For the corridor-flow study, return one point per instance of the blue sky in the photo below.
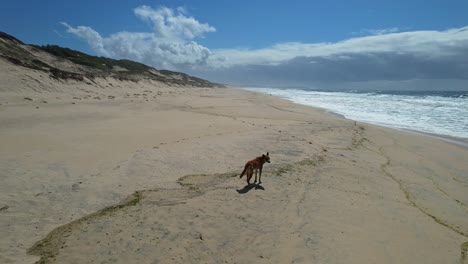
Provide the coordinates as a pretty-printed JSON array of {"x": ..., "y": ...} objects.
[{"x": 267, "y": 43}]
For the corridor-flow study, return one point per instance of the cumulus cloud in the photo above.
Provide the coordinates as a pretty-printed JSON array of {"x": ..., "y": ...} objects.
[
  {"x": 90, "y": 36},
  {"x": 169, "y": 45},
  {"x": 170, "y": 24}
]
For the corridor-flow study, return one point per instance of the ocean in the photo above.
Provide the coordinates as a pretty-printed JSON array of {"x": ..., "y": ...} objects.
[{"x": 434, "y": 112}]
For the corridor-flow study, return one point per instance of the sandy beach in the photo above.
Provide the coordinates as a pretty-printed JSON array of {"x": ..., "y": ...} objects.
[{"x": 125, "y": 172}]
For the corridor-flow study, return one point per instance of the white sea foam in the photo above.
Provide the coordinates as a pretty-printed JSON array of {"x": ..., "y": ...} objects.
[{"x": 430, "y": 113}]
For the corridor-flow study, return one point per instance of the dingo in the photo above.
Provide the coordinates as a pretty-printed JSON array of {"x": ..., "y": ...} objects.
[{"x": 254, "y": 166}]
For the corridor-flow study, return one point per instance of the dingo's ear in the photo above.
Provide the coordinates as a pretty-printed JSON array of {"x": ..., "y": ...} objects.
[{"x": 268, "y": 154}]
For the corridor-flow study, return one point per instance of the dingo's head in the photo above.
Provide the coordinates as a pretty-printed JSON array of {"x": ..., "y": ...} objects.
[{"x": 266, "y": 157}]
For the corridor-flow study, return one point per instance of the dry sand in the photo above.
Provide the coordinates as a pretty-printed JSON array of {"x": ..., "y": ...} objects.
[{"x": 121, "y": 172}]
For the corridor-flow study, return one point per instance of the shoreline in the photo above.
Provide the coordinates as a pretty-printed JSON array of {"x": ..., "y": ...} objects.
[{"x": 463, "y": 142}]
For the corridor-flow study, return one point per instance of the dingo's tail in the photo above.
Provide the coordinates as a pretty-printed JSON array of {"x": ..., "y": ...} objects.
[{"x": 245, "y": 169}]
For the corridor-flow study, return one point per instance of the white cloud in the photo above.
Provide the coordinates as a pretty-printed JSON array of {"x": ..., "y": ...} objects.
[
  {"x": 424, "y": 43},
  {"x": 386, "y": 54},
  {"x": 89, "y": 35},
  {"x": 377, "y": 31},
  {"x": 171, "y": 24},
  {"x": 170, "y": 45},
  {"x": 399, "y": 59}
]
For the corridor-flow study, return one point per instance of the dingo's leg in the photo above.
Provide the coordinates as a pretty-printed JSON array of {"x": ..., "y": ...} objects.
[{"x": 249, "y": 175}]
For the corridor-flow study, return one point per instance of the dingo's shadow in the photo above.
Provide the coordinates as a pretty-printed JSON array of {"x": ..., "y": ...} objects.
[{"x": 249, "y": 187}]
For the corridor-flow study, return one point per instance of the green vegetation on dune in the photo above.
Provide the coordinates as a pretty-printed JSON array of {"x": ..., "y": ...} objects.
[
  {"x": 18, "y": 53},
  {"x": 9, "y": 37},
  {"x": 101, "y": 63}
]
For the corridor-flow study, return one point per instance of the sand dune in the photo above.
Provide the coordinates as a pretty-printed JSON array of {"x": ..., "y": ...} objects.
[{"x": 145, "y": 173}]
